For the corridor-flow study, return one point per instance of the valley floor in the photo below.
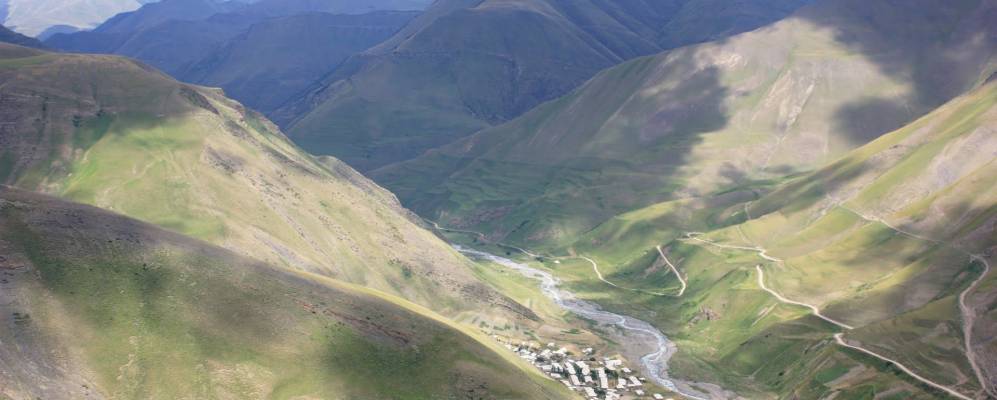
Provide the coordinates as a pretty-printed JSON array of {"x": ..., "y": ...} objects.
[{"x": 715, "y": 392}]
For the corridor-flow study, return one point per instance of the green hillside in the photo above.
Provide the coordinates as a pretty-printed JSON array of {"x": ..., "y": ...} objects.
[
  {"x": 885, "y": 241},
  {"x": 465, "y": 65},
  {"x": 114, "y": 133},
  {"x": 706, "y": 119},
  {"x": 97, "y": 305},
  {"x": 836, "y": 155}
]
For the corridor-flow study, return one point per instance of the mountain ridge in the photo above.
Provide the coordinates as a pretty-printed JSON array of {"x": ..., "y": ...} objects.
[
  {"x": 109, "y": 307},
  {"x": 263, "y": 54},
  {"x": 9, "y": 36},
  {"x": 466, "y": 65},
  {"x": 685, "y": 123},
  {"x": 214, "y": 170}
]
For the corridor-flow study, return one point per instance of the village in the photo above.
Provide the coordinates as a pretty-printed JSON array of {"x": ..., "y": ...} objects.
[{"x": 607, "y": 378}]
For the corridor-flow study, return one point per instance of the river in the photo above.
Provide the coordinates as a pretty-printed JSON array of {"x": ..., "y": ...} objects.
[{"x": 632, "y": 333}]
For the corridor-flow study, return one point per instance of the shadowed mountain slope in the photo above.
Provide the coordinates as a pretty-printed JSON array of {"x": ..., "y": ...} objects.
[
  {"x": 262, "y": 54},
  {"x": 117, "y": 134},
  {"x": 704, "y": 119},
  {"x": 97, "y": 305},
  {"x": 9, "y": 36},
  {"x": 893, "y": 243},
  {"x": 465, "y": 65},
  {"x": 891, "y": 237},
  {"x": 277, "y": 59}
]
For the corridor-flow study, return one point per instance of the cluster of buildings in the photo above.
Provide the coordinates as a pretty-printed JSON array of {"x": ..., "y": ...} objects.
[{"x": 605, "y": 379}]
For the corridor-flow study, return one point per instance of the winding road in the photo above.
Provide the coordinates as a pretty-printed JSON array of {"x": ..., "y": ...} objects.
[
  {"x": 761, "y": 279},
  {"x": 635, "y": 333},
  {"x": 839, "y": 337},
  {"x": 675, "y": 270},
  {"x": 813, "y": 308},
  {"x": 968, "y": 320},
  {"x": 595, "y": 265},
  {"x": 967, "y": 312},
  {"x": 638, "y": 331}
]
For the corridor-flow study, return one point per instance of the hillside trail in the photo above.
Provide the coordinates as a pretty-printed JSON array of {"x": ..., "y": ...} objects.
[
  {"x": 839, "y": 337},
  {"x": 595, "y": 265},
  {"x": 969, "y": 319},
  {"x": 674, "y": 270},
  {"x": 967, "y": 312},
  {"x": 639, "y": 334}
]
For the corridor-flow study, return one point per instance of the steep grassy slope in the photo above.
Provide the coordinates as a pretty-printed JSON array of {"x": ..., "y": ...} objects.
[
  {"x": 97, "y": 305},
  {"x": 887, "y": 240},
  {"x": 110, "y": 132},
  {"x": 467, "y": 64},
  {"x": 705, "y": 119},
  {"x": 32, "y": 17}
]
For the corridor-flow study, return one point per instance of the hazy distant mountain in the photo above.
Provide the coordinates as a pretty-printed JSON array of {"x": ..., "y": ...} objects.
[
  {"x": 9, "y": 36},
  {"x": 130, "y": 26},
  {"x": 153, "y": 14},
  {"x": 291, "y": 7},
  {"x": 32, "y": 17},
  {"x": 465, "y": 65},
  {"x": 277, "y": 59},
  {"x": 170, "y": 35},
  {"x": 262, "y": 54}
]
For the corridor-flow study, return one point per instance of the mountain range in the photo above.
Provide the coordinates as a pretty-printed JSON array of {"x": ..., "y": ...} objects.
[
  {"x": 262, "y": 54},
  {"x": 463, "y": 66},
  {"x": 888, "y": 247},
  {"x": 165, "y": 307},
  {"x": 704, "y": 119},
  {"x": 431, "y": 72},
  {"x": 216, "y": 171},
  {"x": 753, "y": 199},
  {"x": 9, "y": 36},
  {"x": 820, "y": 182}
]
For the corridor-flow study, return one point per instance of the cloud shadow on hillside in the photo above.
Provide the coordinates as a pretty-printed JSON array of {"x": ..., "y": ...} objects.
[
  {"x": 937, "y": 48},
  {"x": 675, "y": 123}
]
